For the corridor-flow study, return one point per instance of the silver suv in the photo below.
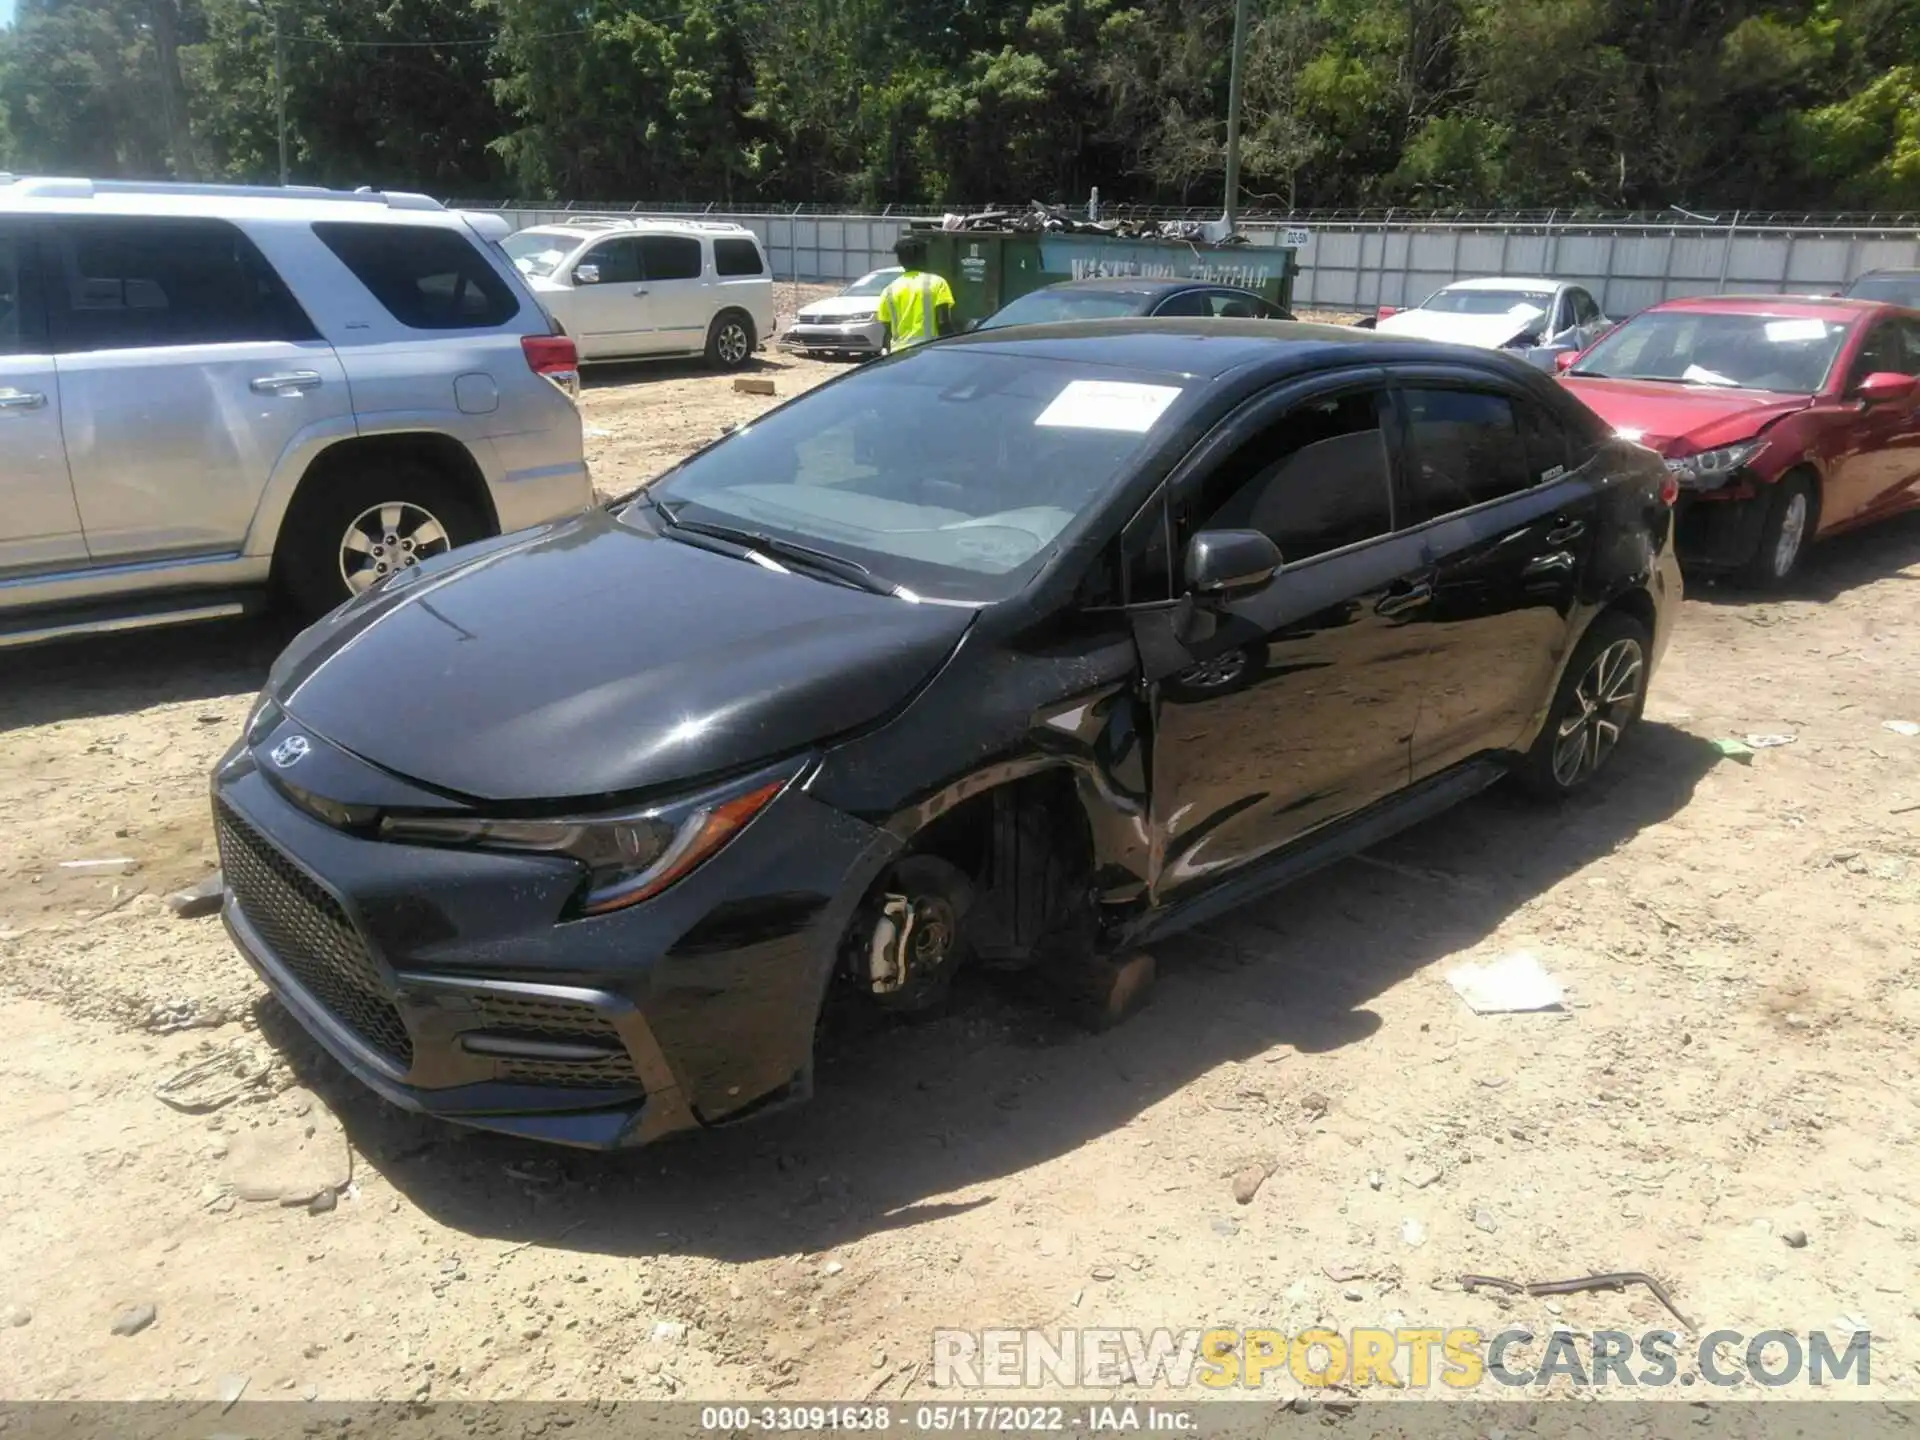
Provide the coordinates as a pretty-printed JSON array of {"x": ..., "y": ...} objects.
[{"x": 208, "y": 393}]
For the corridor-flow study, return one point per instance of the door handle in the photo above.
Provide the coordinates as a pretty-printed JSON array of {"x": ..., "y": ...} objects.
[
  {"x": 1565, "y": 530},
  {"x": 1402, "y": 597},
  {"x": 21, "y": 399},
  {"x": 641, "y": 291},
  {"x": 293, "y": 382}
]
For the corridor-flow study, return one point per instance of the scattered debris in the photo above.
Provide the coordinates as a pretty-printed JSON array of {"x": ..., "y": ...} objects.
[
  {"x": 134, "y": 1319},
  {"x": 1769, "y": 742},
  {"x": 1376, "y": 1179},
  {"x": 118, "y": 865},
  {"x": 202, "y": 898},
  {"x": 1484, "y": 1220},
  {"x": 323, "y": 1202},
  {"x": 1102, "y": 1272},
  {"x": 1796, "y": 1238},
  {"x": 1414, "y": 1234},
  {"x": 218, "y": 1080},
  {"x": 291, "y": 1163},
  {"x": 1735, "y": 750},
  {"x": 1224, "y": 1226},
  {"x": 1512, "y": 984},
  {"x": 669, "y": 1332},
  {"x": 14, "y": 1316},
  {"x": 1421, "y": 1175},
  {"x": 1247, "y": 1183},
  {"x": 832, "y": 1268},
  {"x": 1613, "y": 1280},
  {"x": 171, "y": 1015},
  {"x": 1315, "y": 1104},
  {"x": 596, "y": 432},
  {"x": 1352, "y": 1268},
  {"x": 753, "y": 385},
  {"x": 1901, "y": 727}
]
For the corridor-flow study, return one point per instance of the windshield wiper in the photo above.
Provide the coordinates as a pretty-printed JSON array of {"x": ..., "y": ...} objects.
[{"x": 805, "y": 557}]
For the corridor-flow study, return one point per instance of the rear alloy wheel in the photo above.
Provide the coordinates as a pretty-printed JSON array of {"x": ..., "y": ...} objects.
[
  {"x": 730, "y": 340},
  {"x": 1792, "y": 512},
  {"x": 349, "y": 530},
  {"x": 1599, "y": 700},
  {"x": 384, "y": 539}
]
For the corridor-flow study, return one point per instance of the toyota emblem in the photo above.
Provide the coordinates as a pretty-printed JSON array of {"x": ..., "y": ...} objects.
[{"x": 289, "y": 751}]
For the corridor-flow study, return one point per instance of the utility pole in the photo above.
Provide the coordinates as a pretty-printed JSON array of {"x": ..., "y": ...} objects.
[
  {"x": 280, "y": 91},
  {"x": 1233, "y": 114}
]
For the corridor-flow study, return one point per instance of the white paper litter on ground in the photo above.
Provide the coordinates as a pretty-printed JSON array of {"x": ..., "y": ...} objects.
[
  {"x": 1108, "y": 405},
  {"x": 1900, "y": 727},
  {"x": 1513, "y": 983},
  {"x": 1768, "y": 742}
]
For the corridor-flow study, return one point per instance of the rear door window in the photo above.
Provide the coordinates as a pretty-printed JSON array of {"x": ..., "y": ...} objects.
[
  {"x": 428, "y": 277},
  {"x": 141, "y": 281},
  {"x": 737, "y": 257},
  {"x": 20, "y": 317},
  {"x": 1191, "y": 303},
  {"x": 1466, "y": 450},
  {"x": 670, "y": 257}
]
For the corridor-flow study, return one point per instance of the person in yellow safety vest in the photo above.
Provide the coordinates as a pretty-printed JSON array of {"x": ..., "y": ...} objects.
[{"x": 917, "y": 307}]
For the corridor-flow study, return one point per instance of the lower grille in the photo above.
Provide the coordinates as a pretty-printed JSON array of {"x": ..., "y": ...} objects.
[
  {"x": 310, "y": 935},
  {"x": 609, "y": 1072},
  {"x": 551, "y": 1018}
]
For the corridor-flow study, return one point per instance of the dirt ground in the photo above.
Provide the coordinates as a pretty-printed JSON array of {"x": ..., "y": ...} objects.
[{"x": 1729, "y": 1101}]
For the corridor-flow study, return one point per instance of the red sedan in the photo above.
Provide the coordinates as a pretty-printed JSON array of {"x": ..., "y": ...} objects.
[{"x": 1783, "y": 418}]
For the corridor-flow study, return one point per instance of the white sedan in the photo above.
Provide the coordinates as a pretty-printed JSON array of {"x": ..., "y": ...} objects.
[
  {"x": 843, "y": 324},
  {"x": 1539, "y": 318}
]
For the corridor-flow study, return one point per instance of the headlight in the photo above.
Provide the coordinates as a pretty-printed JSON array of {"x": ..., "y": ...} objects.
[
  {"x": 1711, "y": 469},
  {"x": 628, "y": 857},
  {"x": 261, "y": 718},
  {"x": 865, "y": 317}
]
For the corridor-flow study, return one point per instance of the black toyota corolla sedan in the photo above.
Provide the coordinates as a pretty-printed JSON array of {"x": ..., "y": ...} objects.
[{"x": 1014, "y": 649}]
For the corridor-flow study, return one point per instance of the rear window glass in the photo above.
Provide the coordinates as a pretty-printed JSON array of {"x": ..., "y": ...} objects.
[
  {"x": 1042, "y": 307},
  {"x": 428, "y": 278},
  {"x": 737, "y": 257}
]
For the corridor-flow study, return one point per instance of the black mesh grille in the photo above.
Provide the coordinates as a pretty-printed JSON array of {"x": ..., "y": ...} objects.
[
  {"x": 310, "y": 935},
  {"x": 609, "y": 1072},
  {"x": 539, "y": 1015}
]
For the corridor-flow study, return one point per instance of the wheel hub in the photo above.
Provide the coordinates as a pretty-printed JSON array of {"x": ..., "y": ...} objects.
[
  {"x": 384, "y": 539},
  {"x": 1604, "y": 703}
]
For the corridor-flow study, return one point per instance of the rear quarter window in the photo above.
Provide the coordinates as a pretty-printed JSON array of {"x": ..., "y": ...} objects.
[
  {"x": 737, "y": 257},
  {"x": 427, "y": 277}
]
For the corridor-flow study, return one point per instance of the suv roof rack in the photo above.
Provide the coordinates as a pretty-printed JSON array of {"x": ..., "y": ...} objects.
[{"x": 59, "y": 187}]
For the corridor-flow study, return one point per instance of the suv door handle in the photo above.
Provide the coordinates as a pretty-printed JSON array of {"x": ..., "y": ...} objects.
[
  {"x": 293, "y": 382},
  {"x": 1403, "y": 596},
  {"x": 1565, "y": 530},
  {"x": 21, "y": 399}
]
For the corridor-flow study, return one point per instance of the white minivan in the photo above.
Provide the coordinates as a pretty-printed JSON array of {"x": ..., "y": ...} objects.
[{"x": 625, "y": 288}]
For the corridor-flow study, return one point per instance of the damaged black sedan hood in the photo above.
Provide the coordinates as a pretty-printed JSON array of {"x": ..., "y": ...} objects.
[{"x": 592, "y": 659}]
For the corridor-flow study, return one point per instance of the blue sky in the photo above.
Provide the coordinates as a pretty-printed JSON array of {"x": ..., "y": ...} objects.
[{"x": 6, "y": 12}]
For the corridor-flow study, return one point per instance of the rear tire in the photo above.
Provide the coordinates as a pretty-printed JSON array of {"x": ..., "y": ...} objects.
[
  {"x": 730, "y": 340},
  {"x": 1598, "y": 702},
  {"x": 345, "y": 526},
  {"x": 1793, "y": 513}
]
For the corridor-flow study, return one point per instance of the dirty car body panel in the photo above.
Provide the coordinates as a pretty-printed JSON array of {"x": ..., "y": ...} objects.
[{"x": 830, "y": 643}]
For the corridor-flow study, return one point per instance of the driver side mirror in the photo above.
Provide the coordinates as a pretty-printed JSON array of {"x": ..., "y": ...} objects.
[
  {"x": 1564, "y": 360},
  {"x": 1226, "y": 564},
  {"x": 1885, "y": 385},
  {"x": 586, "y": 274}
]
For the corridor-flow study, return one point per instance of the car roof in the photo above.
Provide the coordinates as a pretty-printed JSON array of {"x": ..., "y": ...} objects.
[
  {"x": 1210, "y": 349},
  {"x": 1505, "y": 282},
  {"x": 1140, "y": 285},
  {"x": 57, "y": 194},
  {"x": 588, "y": 226},
  {"x": 1793, "y": 307}
]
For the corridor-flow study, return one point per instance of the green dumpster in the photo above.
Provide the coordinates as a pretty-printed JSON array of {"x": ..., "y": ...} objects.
[{"x": 987, "y": 268}]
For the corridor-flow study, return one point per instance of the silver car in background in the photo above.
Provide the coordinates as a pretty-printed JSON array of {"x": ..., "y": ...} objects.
[
  {"x": 1539, "y": 319},
  {"x": 844, "y": 323},
  {"x": 209, "y": 392}
]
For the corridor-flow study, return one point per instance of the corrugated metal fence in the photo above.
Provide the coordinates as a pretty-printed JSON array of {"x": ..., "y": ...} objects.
[{"x": 1355, "y": 264}]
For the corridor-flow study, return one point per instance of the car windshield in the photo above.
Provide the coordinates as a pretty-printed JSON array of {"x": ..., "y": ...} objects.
[
  {"x": 1488, "y": 302},
  {"x": 1046, "y": 307},
  {"x": 1894, "y": 289},
  {"x": 872, "y": 284},
  {"x": 539, "y": 252},
  {"x": 952, "y": 472},
  {"x": 1740, "y": 349}
]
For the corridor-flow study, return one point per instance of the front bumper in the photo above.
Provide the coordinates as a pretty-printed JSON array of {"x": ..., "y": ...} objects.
[
  {"x": 864, "y": 337},
  {"x": 445, "y": 980}
]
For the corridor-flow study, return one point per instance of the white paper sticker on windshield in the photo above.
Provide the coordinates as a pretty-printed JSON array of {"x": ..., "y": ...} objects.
[
  {"x": 1109, "y": 405},
  {"x": 1785, "y": 332}
]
